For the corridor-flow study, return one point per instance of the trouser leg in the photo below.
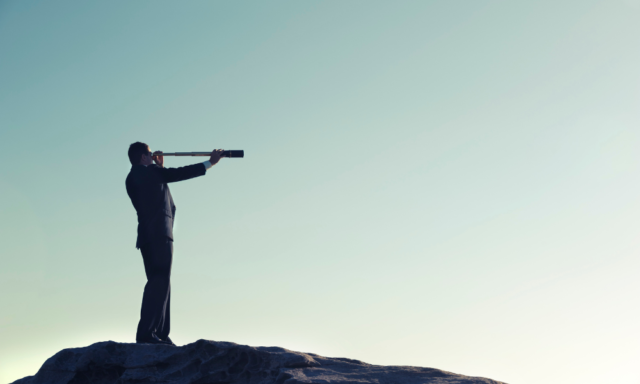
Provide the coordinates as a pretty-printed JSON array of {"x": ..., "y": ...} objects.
[
  {"x": 165, "y": 325},
  {"x": 154, "y": 314}
]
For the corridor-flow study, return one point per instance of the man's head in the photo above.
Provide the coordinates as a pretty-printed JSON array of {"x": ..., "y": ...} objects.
[{"x": 139, "y": 154}]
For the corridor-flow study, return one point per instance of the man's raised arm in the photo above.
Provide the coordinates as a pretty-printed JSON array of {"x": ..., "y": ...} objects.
[{"x": 171, "y": 175}]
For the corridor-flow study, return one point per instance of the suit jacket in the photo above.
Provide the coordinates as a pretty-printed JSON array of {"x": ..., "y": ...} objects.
[{"x": 148, "y": 190}]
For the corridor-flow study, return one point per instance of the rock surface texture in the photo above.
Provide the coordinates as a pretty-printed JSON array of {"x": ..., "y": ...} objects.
[{"x": 220, "y": 362}]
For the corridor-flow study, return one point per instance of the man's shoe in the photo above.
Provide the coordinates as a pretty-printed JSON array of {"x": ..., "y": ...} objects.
[
  {"x": 152, "y": 339},
  {"x": 168, "y": 340}
]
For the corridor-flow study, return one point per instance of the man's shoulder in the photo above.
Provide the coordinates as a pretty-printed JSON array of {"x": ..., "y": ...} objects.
[{"x": 137, "y": 173}]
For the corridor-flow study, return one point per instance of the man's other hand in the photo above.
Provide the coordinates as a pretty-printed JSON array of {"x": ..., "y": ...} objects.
[
  {"x": 158, "y": 158},
  {"x": 216, "y": 155}
]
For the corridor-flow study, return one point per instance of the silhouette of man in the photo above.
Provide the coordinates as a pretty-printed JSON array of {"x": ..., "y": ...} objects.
[{"x": 148, "y": 190}]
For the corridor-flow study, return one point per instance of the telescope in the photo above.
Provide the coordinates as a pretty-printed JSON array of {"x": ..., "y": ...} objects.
[{"x": 229, "y": 153}]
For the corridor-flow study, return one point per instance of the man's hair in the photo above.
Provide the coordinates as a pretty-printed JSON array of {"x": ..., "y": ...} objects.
[{"x": 136, "y": 150}]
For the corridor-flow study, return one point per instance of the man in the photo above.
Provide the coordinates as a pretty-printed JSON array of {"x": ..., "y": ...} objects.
[{"x": 148, "y": 190}]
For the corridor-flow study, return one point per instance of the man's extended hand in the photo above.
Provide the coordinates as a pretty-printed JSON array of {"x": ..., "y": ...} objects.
[
  {"x": 216, "y": 155},
  {"x": 158, "y": 158}
]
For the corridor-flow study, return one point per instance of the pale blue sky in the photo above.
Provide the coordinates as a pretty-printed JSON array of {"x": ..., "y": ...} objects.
[{"x": 432, "y": 183}]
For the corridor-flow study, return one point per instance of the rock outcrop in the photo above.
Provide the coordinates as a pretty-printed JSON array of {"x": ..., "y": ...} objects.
[{"x": 219, "y": 362}]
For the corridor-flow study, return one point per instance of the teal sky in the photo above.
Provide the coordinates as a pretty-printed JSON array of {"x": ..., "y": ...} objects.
[{"x": 432, "y": 183}]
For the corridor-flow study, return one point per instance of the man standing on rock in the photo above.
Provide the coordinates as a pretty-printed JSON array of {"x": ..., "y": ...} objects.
[{"x": 148, "y": 190}]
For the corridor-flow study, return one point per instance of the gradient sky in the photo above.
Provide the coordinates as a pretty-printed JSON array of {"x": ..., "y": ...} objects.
[{"x": 432, "y": 183}]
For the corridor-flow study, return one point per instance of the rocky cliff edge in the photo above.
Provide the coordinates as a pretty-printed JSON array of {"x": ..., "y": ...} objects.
[{"x": 208, "y": 361}]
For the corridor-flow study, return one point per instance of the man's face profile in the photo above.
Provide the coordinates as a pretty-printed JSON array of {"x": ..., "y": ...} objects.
[{"x": 146, "y": 158}]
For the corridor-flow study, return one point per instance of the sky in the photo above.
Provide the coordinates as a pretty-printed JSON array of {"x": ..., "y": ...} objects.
[{"x": 430, "y": 183}]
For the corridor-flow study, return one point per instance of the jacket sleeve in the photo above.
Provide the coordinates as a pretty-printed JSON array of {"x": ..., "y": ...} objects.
[{"x": 171, "y": 175}]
